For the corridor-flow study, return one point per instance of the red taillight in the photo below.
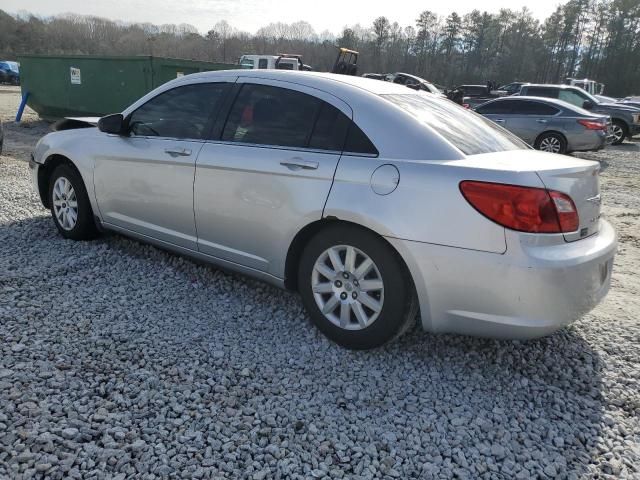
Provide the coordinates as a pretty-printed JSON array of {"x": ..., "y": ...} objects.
[
  {"x": 466, "y": 105},
  {"x": 593, "y": 124},
  {"x": 525, "y": 209}
]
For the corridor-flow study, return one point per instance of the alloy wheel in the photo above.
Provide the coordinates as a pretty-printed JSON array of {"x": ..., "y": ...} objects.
[
  {"x": 617, "y": 132},
  {"x": 65, "y": 203},
  {"x": 347, "y": 287},
  {"x": 550, "y": 144}
]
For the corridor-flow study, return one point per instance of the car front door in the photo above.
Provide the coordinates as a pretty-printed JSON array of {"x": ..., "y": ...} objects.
[
  {"x": 268, "y": 173},
  {"x": 144, "y": 179}
]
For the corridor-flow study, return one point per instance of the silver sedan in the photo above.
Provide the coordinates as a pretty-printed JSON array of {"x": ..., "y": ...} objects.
[
  {"x": 369, "y": 199},
  {"x": 548, "y": 124}
]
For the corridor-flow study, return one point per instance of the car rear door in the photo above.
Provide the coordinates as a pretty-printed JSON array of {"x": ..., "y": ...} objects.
[
  {"x": 267, "y": 172},
  {"x": 529, "y": 118},
  {"x": 144, "y": 180}
]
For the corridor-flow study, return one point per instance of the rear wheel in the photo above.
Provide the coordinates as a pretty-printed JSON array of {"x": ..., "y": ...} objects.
[
  {"x": 619, "y": 132},
  {"x": 70, "y": 207},
  {"x": 551, "y": 142},
  {"x": 355, "y": 288}
]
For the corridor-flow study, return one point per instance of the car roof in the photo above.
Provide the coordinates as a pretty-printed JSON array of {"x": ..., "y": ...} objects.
[
  {"x": 312, "y": 79},
  {"x": 573, "y": 87}
]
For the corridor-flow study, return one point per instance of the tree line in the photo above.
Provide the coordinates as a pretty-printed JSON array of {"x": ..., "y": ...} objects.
[{"x": 599, "y": 39}]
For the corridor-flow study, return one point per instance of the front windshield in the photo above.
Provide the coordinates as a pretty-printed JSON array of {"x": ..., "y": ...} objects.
[{"x": 469, "y": 132}]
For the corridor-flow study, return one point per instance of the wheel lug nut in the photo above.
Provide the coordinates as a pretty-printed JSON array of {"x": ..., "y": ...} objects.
[
  {"x": 338, "y": 283},
  {"x": 355, "y": 282},
  {"x": 354, "y": 295},
  {"x": 343, "y": 295},
  {"x": 345, "y": 275}
]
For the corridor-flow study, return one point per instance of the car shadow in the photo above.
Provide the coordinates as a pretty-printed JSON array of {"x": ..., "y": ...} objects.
[{"x": 486, "y": 402}]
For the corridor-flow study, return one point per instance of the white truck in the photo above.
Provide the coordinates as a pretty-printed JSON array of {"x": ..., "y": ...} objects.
[
  {"x": 281, "y": 61},
  {"x": 591, "y": 86}
]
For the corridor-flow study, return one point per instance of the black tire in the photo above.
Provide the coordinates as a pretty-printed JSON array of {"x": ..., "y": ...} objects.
[
  {"x": 555, "y": 138},
  {"x": 85, "y": 227},
  {"x": 399, "y": 306},
  {"x": 625, "y": 131}
]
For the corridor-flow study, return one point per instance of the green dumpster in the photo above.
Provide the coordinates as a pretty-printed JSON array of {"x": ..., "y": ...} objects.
[{"x": 91, "y": 85}]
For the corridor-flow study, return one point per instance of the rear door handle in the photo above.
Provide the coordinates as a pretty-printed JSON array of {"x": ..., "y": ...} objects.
[
  {"x": 178, "y": 152},
  {"x": 541, "y": 120},
  {"x": 499, "y": 120},
  {"x": 298, "y": 164}
]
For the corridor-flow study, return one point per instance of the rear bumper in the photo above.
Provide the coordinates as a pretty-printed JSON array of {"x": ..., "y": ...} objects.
[
  {"x": 530, "y": 291},
  {"x": 589, "y": 140}
]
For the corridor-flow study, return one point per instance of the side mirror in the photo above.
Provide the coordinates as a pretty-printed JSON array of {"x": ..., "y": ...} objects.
[
  {"x": 588, "y": 105},
  {"x": 113, "y": 124}
]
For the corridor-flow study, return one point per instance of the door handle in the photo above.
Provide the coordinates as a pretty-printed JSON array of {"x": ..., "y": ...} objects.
[
  {"x": 541, "y": 120},
  {"x": 298, "y": 164},
  {"x": 178, "y": 152},
  {"x": 499, "y": 120}
]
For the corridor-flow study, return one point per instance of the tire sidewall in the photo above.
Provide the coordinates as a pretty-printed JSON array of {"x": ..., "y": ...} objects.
[
  {"x": 397, "y": 291},
  {"x": 563, "y": 142},
  {"x": 84, "y": 227}
]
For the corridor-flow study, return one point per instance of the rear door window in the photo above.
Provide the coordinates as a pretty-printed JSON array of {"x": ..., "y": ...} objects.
[
  {"x": 336, "y": 132},
  {"x": 267, "y": 115},
  {"x": 183, "y": 112},
  {"x": 534, "y": 108},
  {"x": 469, "y": 132}
]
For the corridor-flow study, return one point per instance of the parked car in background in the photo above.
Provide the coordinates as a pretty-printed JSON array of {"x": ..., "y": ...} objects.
[
  {"x": 475, "y": 95},
  {"x": 9, "y": 73},
  {"x": 591, "y": 86},
  {"x": 625, "y": 120},
  {"x": 414, "y": 82},
  {"x": 375, "y": 76},
  {"x": 368, "y": 198},
  {"x": 512, "y": 88},
  {"x": 549, "y": 125},
  {"x": 605, "y": 99}
]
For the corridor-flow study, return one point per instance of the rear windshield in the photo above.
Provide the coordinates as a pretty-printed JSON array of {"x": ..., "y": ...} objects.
[{"x": 469, "y": 132}]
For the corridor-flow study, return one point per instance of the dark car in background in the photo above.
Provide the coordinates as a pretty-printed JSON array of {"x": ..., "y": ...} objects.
[
  {"x": 512, "y": 88},
  {"x": 475, "y": 95},
  {"x": 9, "y": 73},
  {"x": 414, "y": 82},
  {"x": 549, "y": 125},
  {"x": 625, "y": 119}
]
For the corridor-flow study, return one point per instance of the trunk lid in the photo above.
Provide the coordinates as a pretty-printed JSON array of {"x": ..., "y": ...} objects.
[{"x": 573, "y": 176}]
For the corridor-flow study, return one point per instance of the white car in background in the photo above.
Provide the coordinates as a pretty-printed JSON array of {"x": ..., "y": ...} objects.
[{"x": 368, "y": 198}]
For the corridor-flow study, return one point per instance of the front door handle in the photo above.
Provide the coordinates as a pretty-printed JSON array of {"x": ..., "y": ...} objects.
[
  {"x": 499, "y": 120},
  {"x": 298, "y": 164},
  {"x": 541, "y": 120},
  {"x": 178, "y": 152}
]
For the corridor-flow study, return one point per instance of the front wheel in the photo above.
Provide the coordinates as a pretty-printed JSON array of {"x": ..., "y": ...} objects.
[
  {"x": 69, "y": 202},
  {"x": 355, "y": 288},
  {"x": 551, "y": 142}
]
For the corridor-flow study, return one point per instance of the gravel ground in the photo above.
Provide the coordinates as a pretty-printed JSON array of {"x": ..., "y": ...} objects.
[{"x": 118, "y": 360}]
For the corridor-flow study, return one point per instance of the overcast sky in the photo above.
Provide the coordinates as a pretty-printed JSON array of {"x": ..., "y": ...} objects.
[{"x": 249, "y": 15}]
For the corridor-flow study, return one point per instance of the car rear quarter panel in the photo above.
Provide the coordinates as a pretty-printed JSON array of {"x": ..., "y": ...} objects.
[{"x": 427, "y": 205}]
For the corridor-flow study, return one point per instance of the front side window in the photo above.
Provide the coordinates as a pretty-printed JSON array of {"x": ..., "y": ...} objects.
[
  {"x": 469, "y": 132},
  {"x": 183, "y": 112},
  {"x": 263, "y": 63},
  {"x": 268, "y": 115}
]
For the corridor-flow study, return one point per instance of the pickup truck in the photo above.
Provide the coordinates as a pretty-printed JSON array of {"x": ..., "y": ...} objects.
[
  {"x": 625, "y": 120},
  {"x": 476, "y": 95}
]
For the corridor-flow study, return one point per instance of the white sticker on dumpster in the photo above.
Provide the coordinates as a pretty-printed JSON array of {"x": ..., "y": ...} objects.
[{"x": 75, "y": 76}]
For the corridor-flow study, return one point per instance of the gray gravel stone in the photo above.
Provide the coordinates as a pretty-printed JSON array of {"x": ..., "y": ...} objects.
[{"x": 118, "y": 360}]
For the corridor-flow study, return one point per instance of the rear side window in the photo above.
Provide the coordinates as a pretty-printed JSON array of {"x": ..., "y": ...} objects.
[
  {"x": 534, "y": 108},
  {"x": 469, "y": 132},
  {"x": 183, "y": 112},
  {"x": 542, "y": 92},
  {"x": 268, "y": 115},
  {"x": 335, "y": 131}
]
